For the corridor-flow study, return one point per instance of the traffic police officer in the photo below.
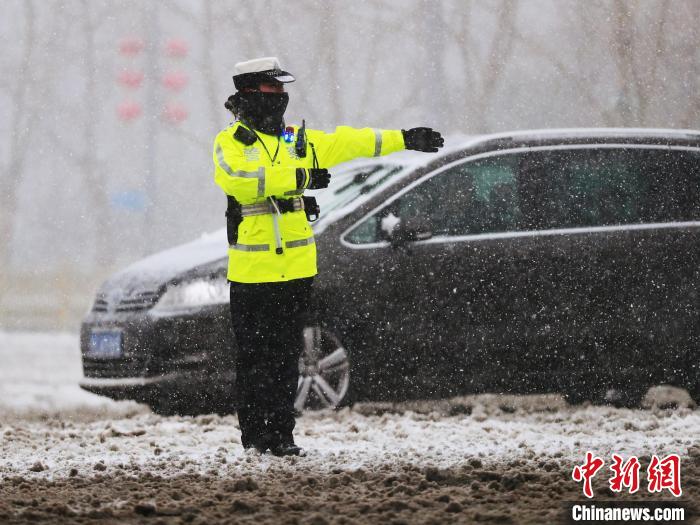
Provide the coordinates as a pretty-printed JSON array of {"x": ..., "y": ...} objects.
[{"x": 264, "y": 167}]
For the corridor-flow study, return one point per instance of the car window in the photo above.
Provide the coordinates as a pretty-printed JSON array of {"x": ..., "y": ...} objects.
[
  {"x": 470, "y": 198},
  {"x": 546, "y": 189},
  {"x": 674, "y": 186},
  {"x": 474, "y": 197},
  {"x": 600, "y": 187}
]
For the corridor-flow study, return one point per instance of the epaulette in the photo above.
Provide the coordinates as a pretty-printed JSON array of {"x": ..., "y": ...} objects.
[{"x": 245, "y": 136}]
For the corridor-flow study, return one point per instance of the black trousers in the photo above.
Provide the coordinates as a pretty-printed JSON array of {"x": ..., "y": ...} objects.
[{"x": 268, "y": 320}]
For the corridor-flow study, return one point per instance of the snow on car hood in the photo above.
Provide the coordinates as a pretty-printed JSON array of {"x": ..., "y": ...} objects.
[{"x": 164, "y": 266}]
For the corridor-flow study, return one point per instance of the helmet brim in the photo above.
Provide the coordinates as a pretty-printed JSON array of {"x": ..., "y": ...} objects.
[{"x": 252, "y": 80}]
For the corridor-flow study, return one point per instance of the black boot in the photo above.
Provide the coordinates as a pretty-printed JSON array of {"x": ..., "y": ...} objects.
[
  {"x": 256, "y": 446},
  {"x": 285, "y": 446},
  {"x": 261, "y": 443}
]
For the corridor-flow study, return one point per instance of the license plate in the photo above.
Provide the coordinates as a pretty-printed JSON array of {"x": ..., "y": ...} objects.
[{"x": 105, "y": 345}]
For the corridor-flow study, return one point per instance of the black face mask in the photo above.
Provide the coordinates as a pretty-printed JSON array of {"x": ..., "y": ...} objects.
[{"x": 263, "y": 111}]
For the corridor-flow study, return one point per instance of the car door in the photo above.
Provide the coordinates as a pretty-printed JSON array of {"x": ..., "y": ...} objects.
[
  {"x": 551, "y": 268},
  {"x": 450, "y": 315},
  {"x": 616, "y": 260}
]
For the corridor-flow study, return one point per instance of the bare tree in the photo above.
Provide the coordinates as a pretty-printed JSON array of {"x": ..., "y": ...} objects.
[
  {"x": 207, "y": 60},
  {"x": 691, "y": 75},
  {"x": 493, "y": 67},
  {"x": 485, "y": 69},
  {"x": 435, "y": 83},
  {"x": 328, "y": 44},
  {"x": 637, "y": 57},
  {"x": 84, "y": 157},
  {"x": 635, "y": 37},
  {"x": 382, "y": 30},
  {"x": 22, "y": 114}
]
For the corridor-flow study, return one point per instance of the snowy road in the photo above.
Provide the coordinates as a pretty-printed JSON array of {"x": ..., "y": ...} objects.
[{"x": 67, "y": 456}]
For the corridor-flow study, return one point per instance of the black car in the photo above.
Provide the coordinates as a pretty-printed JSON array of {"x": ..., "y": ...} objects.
[{"x": 530, "y": 262}]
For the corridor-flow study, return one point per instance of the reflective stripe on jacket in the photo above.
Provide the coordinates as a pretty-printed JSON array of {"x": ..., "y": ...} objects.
[{"x": 247, "y": 174}]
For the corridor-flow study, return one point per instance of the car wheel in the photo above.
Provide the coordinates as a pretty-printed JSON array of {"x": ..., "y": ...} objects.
[{"x": 324, "y": 371}]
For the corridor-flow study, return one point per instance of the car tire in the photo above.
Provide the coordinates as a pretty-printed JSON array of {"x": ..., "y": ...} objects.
[{"x": 324, "y": 371}]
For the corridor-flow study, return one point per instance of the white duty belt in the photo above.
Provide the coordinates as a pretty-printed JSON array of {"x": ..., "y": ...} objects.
[{"x": 279, "y": 206}]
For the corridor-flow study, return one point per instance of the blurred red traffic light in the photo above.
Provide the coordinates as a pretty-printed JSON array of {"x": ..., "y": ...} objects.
[
  {"x": 175, "y": 113},
  {"x": 131, "y": 79},
  {"x": 131, "y": 46},
  {"x": 129, "y": 110},
  {"x": 176, "y": 48},
  {"x": 175, "y": 80}
]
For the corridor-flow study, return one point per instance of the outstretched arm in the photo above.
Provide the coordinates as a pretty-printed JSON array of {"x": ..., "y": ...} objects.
[{"x": 348, "y": 143}]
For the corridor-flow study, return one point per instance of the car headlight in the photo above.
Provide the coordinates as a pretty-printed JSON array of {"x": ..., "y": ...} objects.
[{"x": 191, "y": 294}]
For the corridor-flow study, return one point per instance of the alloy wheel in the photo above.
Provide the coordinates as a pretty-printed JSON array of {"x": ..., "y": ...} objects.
[{"x": 324, "y": 371}]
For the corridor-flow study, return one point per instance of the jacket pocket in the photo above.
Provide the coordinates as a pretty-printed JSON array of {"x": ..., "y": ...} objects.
[
  {"x": 255, "y": 230},
  {"x": 295, "y": 226}
]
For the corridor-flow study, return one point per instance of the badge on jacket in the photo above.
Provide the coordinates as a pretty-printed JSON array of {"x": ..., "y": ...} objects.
[
  {"x": 251, "y": 154},
  {"x": 292, "y": 152}
]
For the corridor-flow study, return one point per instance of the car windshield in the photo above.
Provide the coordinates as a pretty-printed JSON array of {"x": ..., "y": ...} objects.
[{"x": 347, "y": 186}]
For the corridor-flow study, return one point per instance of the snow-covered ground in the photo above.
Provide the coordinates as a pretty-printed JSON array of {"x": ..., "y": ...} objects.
[{"x": 66, "y": 454}]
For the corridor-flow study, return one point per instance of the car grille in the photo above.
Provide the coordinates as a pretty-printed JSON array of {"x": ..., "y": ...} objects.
[
  {"x": 100, "y": 305},
  {"x": 129, "y": 303}
]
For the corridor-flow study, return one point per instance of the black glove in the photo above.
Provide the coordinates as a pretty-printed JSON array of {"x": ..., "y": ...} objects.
[
  {"x": 422, "y": 139},
  {"x": 312, "y": 178}
]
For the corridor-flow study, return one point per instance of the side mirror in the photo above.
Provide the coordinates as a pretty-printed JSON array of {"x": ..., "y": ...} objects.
[{"x": 400, "y": 231}]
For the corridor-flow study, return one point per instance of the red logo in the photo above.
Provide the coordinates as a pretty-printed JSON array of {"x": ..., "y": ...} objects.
[
  {"x": 662, "y": 474},
  {"x": 625, "y": 474},
  {"x": 665, "y": 474},
  {"x": 586, "y": 472}
]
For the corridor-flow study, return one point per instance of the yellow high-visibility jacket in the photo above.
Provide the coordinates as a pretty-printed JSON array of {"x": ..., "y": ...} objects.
[{"x": 248, "y": 174}]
